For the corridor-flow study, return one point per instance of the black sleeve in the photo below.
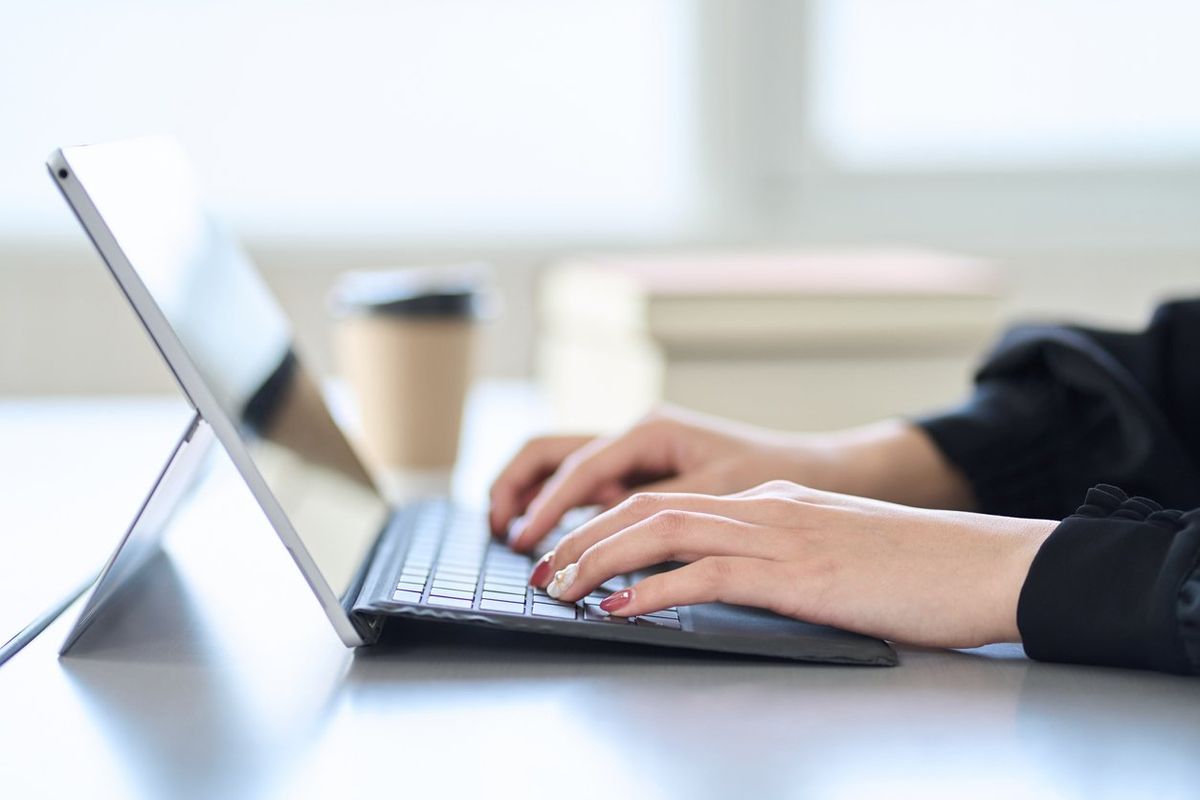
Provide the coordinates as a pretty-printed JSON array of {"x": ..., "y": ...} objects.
[
  {"x": 1057, "y": 410},
  {"x": 1117, "y": 583}
]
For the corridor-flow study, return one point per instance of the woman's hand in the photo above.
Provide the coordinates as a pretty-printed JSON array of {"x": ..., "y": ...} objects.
[
  {"x": 678, "y": 451},
  {"x": 935, "y": 578},
  {"x": 670, "y": 451}
]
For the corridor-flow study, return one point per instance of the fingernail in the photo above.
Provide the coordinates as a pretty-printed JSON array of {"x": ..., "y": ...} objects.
[
  {"x": 562, "y": 580},
  {"x": 515, "y": 529},
  {"x": 617, "y": 600},
  {"x": 542, "y": 570}
]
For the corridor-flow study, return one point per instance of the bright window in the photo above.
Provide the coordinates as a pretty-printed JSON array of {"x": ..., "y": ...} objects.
[
  {"x": 370, "y": 117},
  {"x": 1005, "y": 83}
]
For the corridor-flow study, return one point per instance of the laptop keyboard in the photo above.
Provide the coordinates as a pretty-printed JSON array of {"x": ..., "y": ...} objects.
[{"x": 452, "y": 562}]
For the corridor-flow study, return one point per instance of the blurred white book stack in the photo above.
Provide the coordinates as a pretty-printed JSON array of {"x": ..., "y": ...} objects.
[{"x": 800, "y": 340}]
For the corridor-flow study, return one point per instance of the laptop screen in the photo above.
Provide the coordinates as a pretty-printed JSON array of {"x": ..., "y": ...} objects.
[{"x": 235, "y": 333}]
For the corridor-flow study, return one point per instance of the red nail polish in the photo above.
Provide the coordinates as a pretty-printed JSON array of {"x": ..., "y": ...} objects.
[
  {"x": 542, "y": 572},
  {"x": 617, "y": 600}
]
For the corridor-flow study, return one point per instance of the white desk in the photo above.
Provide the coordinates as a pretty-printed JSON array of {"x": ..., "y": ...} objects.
[{"x": 222, "y": 679}]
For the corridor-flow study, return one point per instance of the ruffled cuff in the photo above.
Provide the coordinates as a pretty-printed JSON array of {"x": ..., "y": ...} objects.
[{"x": 1116, "y": 583}]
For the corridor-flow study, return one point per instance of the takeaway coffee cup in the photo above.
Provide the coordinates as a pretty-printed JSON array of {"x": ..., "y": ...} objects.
[{"x": 404, "y": 340}]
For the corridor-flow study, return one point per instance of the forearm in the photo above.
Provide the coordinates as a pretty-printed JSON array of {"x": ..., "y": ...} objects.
[{"x": 891, "y": 460}]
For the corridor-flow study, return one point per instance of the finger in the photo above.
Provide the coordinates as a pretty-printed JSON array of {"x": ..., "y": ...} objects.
[
  {"x": 538, "y": 459},
  {"x": 773, "y": 511},
  {"x": 522, "y": 502},
  {"x": 694, "y": 483},
  {"x": 667, "y": 536},
  {"x": 585, "y": 472},
  {"x": 718, "y": 579},
  {"x": 638, "y": 508}
]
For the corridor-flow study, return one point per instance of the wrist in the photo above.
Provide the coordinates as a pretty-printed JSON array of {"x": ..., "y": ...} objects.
[
  {"x": 1028, "y": 536},
  {"x": 860, "y": 461},
  {"x": 892, "y": 460},
  {"x": 816, "y": 460}
]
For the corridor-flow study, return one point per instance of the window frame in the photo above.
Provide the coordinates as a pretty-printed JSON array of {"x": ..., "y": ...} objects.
[{"x": 767, "y": 156}]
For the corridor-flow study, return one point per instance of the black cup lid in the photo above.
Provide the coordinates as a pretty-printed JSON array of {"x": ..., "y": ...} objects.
[{"x": 416, "y": 292}]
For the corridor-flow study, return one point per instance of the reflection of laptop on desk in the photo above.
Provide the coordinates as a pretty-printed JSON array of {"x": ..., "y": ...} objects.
[{"x": 231, "y": 350}]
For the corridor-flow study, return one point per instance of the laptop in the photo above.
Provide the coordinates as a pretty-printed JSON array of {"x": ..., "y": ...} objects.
[{"x": 230, "y": 348}]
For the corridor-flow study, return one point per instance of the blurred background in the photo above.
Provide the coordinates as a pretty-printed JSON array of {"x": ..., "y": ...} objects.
[{"x": 1056, "y": 143}]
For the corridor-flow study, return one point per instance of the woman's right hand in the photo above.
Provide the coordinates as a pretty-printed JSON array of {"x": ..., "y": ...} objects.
[{"x": 669, "y": 451}]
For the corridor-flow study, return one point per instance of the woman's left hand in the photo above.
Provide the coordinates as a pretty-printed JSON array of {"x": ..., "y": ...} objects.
[{"x": 935, "y": 578}]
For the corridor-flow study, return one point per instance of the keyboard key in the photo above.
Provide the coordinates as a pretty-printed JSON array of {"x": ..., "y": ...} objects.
[
  {"x": 446, "y": 584},
  {"x": 450, "y": 602},
  {"x": 414, "y": 586},
  {"x": 504, "y": 586},
  {"x": 517, "y": 571},
  {"x": 502, "y": 605},
  {"x": 403, "y": 596},
  {"x": 511, "y": 597},
  {"x": 519, "y": 580},
  {"x": 597, "y": 614},
  {"x": 509, "y": 577},
  {"x": 459, "y": 593},
  {"x": 460, "y": 556},
  {"x": 511, "y": 564},
  {"x": 657, "y": 622},
  {"x": 500, "y": 554},
  {"x": 454, "y": 572},
  {"x": 668, "y": 613},
  {"x": 556, "y": 611},
  {"x": 457, "y": 574}
]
